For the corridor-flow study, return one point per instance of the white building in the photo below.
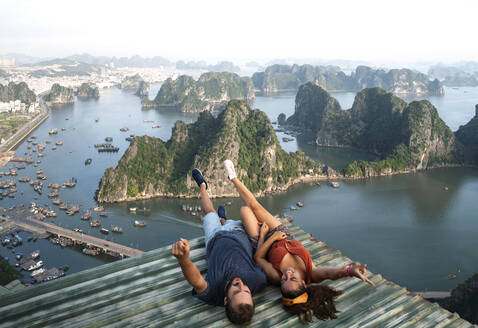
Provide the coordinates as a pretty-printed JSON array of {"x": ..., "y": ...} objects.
[{"x": 7, "y": 61}]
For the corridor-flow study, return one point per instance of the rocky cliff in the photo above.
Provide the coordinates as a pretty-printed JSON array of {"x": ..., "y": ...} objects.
[
  {"x": 16, "y": 91},
  {"x": 153, "y": 168},
  {"x": 60, "y": 95},
  {"x": 464, "y": 300},
  {"x": 468, "y": 135},
  {"x": 331, "y": 78},
  {"x": 86, "y": 90},
  {"x": 461, "y": 80},
  {"x": 406, "y": 136},
  {"x": 143, "y": 89},
  {"x": 212, "y": 91},
  {"x": 135, "y": 82}
]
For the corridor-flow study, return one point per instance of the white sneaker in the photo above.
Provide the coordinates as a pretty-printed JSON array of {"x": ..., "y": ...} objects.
[{"x": 229, "y": 167}]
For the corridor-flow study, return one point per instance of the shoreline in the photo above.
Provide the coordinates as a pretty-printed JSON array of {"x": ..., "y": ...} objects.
[
  {"x": 284, "y": 188},
  {"x": 26, "y": 129}
]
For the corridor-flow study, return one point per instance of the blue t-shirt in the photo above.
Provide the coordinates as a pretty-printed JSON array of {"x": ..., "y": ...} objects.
[{"x": 229, "y": 255}]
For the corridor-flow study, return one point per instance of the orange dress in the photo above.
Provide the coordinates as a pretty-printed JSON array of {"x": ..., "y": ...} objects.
[{"x": 280, "y": 248}]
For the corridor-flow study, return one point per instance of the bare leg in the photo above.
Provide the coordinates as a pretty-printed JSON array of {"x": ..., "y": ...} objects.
[
  {"x": 262, "y": 215},
  {"x": 206, "y": 203},
  {"x": 249, "y": 221}
]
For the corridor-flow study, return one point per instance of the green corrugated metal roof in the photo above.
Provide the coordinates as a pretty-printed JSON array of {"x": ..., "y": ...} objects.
[{"x": 149, "y": 290}]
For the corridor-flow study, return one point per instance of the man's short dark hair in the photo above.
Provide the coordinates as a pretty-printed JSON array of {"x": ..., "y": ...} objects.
[{"x": 242, "y": 314}]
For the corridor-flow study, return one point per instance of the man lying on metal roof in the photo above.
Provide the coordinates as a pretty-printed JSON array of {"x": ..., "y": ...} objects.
[{"x": 232, "y": 275}]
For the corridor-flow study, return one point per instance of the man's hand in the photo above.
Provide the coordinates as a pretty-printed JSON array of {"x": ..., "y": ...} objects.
[
  {"x": 359, "y": 271},
  {"x": 181, "y": 250}
]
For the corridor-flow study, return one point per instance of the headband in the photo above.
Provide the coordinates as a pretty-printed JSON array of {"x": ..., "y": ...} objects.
[{"x": 299, "y": 299}]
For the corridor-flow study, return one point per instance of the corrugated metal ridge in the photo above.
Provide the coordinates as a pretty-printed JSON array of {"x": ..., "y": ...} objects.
[{"x": 149, "y": 290}]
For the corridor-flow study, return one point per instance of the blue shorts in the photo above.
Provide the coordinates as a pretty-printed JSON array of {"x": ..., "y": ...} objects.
[{"x": 212, "y": 225}]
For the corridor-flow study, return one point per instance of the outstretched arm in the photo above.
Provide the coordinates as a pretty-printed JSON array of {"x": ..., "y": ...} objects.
[
  {"x": 355, "y": 270},
  {"x": 262, "y": 249},
  {"x": 181, "y": 251}
]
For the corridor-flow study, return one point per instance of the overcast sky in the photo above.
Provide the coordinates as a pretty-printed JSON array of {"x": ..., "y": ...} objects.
[{"x": 401, "y": 31}]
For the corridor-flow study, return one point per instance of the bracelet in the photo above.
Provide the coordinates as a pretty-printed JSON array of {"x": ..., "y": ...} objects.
[{"x": 347, "y": 271}]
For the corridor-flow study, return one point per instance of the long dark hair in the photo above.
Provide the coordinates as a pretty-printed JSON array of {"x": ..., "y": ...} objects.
[{"x": 320, "y": 303}]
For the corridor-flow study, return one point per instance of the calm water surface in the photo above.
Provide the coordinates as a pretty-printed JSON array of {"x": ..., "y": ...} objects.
[{"x": 410, "y": 228}]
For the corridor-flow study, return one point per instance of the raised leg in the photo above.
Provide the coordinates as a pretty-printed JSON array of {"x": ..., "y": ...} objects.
[
  {"x": 261, "y": 214},
  {"x": 206, "y": 203},
  {"x": 249, "y": 221}
]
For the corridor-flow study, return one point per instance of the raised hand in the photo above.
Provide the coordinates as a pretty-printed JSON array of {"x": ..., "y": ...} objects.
[{"x": 181, "y": 249}]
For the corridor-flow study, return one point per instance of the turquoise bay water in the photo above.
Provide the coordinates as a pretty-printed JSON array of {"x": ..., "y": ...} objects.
[{"x": 408, "y": 228}]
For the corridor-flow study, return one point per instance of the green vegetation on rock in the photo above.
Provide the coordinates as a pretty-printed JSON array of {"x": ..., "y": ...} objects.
[
  {"x": 405, "y": 136},
  {"x": 16, "y": 91},
  {"x": 86, "y": 90},
  {"x": 211, "y": 91},
  {"x": 468, "y": 135},
  {"x": 464, "y": 300},
  {"x": 151, "y": 167},
  {"x": 60, "y": 95},
  {"x": 8, "y": 272},
  {"x": 398, "y": 81}
]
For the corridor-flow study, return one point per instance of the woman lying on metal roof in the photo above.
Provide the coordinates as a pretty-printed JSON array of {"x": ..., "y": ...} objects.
[{"x": 287, "y": 263}]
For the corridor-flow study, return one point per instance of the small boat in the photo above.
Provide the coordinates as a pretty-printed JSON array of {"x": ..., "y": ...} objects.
[
  {"x": 63, "y": 129},
  {"x": 334, "y": 184},
  {"x": 139, "y": 223},
  {"x": 88, "y": 161},
  {"x": 108, "y": 139},
  {"x": 97, "y": 119},
  {"x": 124, "y": 129},
  {"x": 451, "y": 276},
  {"x": 103, "y": 215},
  {"x": 37, "y": 272},
  {"x": 99, "y": 209},
  {"x": 70, "y": 183},
  {"x": 59, "y": 143},
  {"x": 148, "y": 121},
  {"x": 132, "y": 209},
  {"x": 300, "y": 204},
  {"x": 155, "y": 126},
  {"x": 86, "y": 215},
  {"x": 293, "y": 208},
  {"x": 104, "y": 231},
  {"x": 53, "y": 131},
  {"x": 117, "y": 229},
  {"x": 95, "y": 223},
  {"x": 53, "y": 194},
  {"x": 19, "y": 256},
  {"x": 35, "y": 266}
]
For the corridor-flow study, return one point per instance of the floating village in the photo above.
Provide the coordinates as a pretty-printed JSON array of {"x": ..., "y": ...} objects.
[{"x": 13, "y": 219}]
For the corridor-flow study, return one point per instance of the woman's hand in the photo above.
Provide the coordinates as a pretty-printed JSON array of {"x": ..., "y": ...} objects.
[
  {"x": 279, "y": 235},
  {"x": 359, "y": 271}
]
